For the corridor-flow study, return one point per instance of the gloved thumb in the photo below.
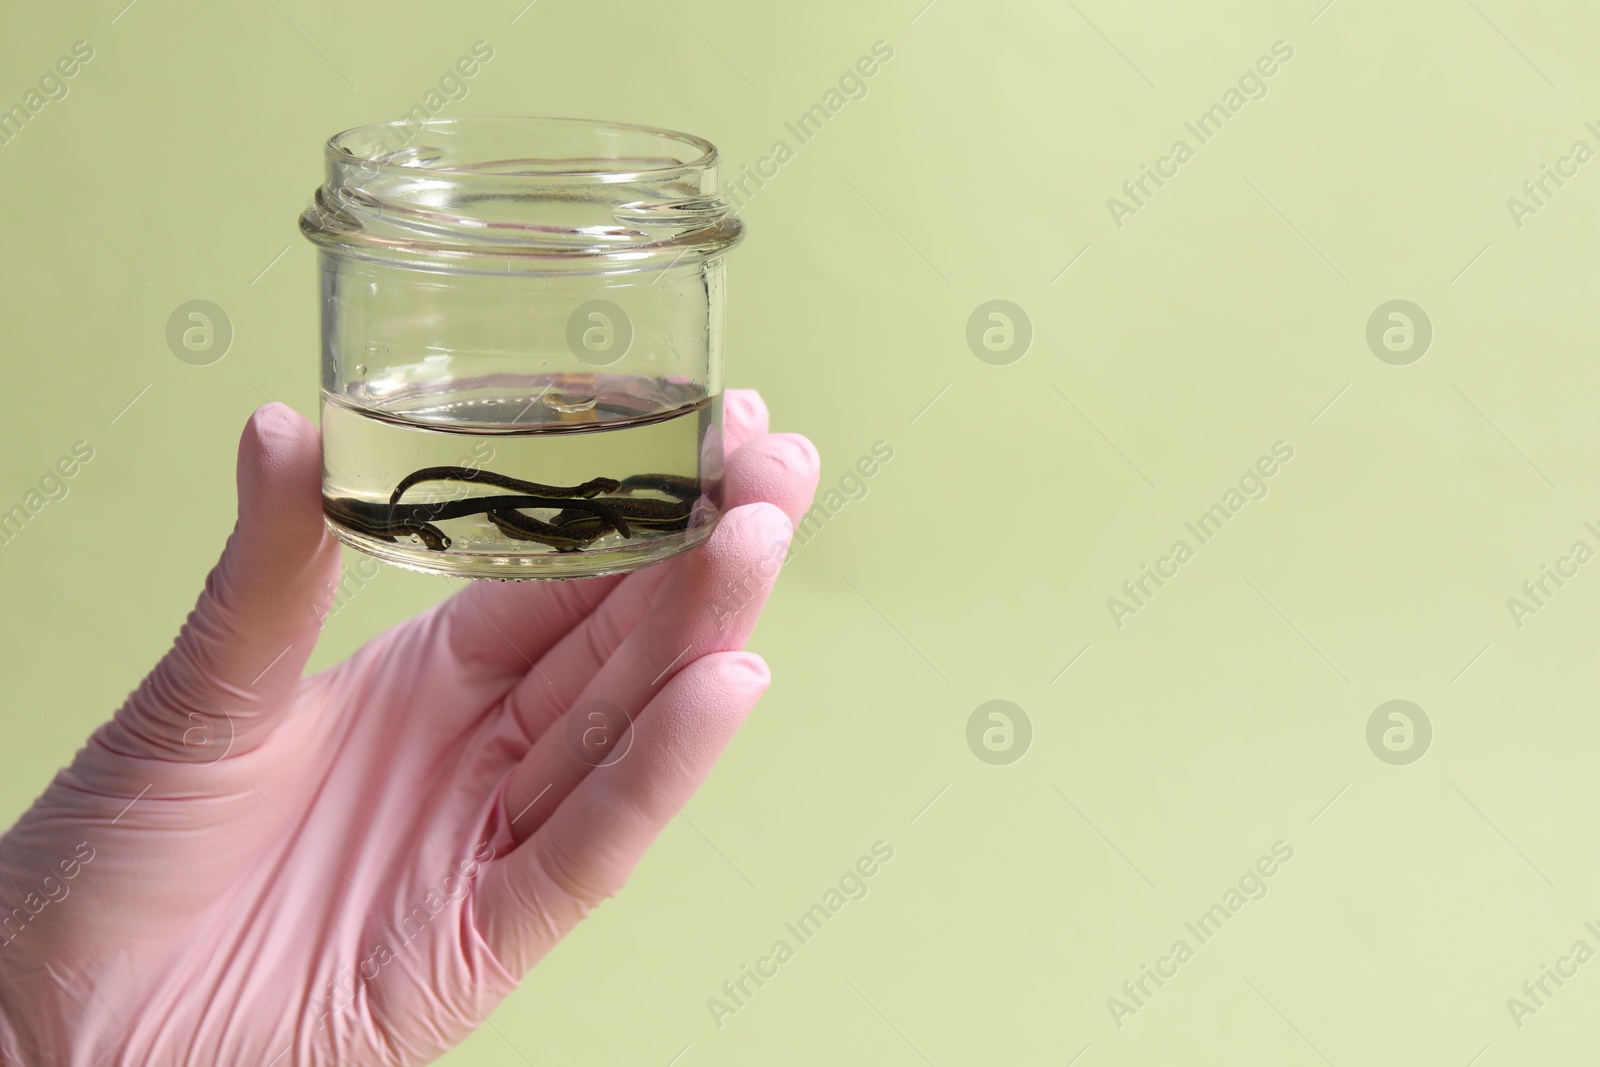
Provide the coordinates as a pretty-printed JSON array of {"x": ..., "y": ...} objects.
[{"x": 245, "y": 643}]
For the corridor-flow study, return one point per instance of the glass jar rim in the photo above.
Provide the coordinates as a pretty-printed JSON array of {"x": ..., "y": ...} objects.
[
  {"x": 529, "y": 192},
  {"x": 339, "y": 145}
]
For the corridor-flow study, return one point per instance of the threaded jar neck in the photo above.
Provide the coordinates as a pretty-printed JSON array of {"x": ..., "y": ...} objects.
[{"x": 521, "y": 195}]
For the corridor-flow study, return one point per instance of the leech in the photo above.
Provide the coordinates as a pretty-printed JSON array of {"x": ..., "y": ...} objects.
[
  {"x": 520, "y": 527},
  {"x": 578, "y": 522},
  {"x": 374, "y": 521},
  {"x": 590, "y": 526},
  {"x": 592, "y": 487},
  {"x": 672, "y": 484},
  {"x": 385, "y": 521},
  {"x": 441, "y": 510},
  {"x": 642, "y": 511},
  {"x": 568, "y": 520}
]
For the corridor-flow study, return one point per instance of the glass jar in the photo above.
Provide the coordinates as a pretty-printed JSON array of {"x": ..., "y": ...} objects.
[{"x": 521, "y": 343}]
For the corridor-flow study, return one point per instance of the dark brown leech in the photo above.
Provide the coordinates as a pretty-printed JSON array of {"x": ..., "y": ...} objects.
[
  {"x": 376, "y": 520},
  {"x": 571, "y": 538},
  {"x": 386, "y": 521},
  {"x": 441, "y": 510},
  {"x": 569, "y": 520},
  {"x": 642, "y": 511},
  {"x": 579, "y": 521},
  {"x": 592, "y": 487},
  {"x": 579, "y": 525},
  {"x": 674, "y": 485}
]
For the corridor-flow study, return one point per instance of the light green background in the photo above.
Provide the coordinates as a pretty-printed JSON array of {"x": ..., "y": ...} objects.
[{"x": 1223, "y": 317}]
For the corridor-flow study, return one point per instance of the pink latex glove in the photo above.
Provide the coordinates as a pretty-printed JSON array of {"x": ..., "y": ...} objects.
[{"x": 248, "y": 866}]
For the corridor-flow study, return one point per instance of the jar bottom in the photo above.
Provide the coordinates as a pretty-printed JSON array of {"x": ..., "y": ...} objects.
[{"x": 412, "y": 554}]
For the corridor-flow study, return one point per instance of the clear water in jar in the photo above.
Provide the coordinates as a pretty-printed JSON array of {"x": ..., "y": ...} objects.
[{"x": 568, "y": 476}]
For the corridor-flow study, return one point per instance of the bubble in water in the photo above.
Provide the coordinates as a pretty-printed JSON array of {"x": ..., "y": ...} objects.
[
  {"x": 571, "y": 403},
  {"x": 361, "y": 370}
]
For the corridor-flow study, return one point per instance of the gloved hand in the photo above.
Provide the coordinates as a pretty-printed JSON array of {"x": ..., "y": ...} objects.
[{"x": 248, "y": 866}]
